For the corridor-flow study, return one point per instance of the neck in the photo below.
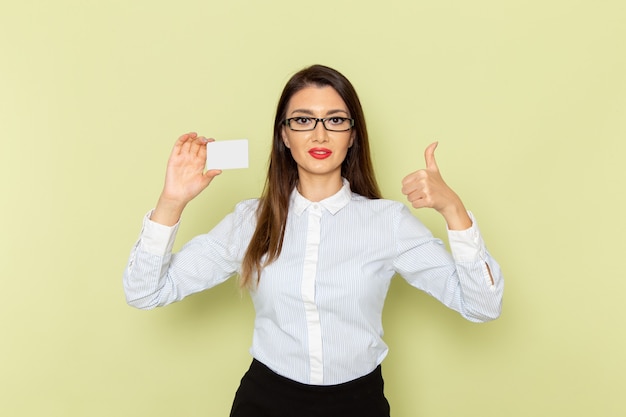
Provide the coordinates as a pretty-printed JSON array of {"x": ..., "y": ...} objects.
[{"x": 318, "y": 189}]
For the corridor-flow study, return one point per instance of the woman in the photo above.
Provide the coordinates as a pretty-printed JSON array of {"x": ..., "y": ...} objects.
[{"x": 317, "y": 252}]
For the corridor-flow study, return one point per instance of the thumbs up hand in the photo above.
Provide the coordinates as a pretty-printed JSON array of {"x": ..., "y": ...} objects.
[{"x": 426, "y": 188}]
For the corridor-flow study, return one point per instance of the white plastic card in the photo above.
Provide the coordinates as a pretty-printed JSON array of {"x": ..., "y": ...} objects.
[{"x": 227, "y": 154}]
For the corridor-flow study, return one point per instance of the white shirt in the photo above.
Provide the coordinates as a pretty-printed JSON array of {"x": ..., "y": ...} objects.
[{"x": 319, "y": 305}]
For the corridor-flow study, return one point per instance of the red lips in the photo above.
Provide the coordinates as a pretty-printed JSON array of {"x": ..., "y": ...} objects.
[{"x": 320, "y": 153}]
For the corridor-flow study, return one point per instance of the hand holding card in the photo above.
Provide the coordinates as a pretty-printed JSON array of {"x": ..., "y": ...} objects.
[{"x": 228, "y": 154}]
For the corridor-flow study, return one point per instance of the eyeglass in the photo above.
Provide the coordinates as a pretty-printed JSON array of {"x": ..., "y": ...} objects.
[{"x": 333, "y": 124}]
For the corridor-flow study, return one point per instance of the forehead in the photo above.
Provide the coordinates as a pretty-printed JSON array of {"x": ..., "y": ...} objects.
[{"x": 317, "y": 100}]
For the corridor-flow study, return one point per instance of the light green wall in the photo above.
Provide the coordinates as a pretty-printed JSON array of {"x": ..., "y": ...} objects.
[{"x": 527, "y": 99}]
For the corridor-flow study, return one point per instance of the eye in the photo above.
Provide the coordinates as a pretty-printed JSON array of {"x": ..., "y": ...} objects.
[
  {"x": 337, "y": 120},
  {"x": 302, "y": 120}
]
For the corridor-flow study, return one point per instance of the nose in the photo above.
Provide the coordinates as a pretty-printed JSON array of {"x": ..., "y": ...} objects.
[{"x": 320, "y": 134}]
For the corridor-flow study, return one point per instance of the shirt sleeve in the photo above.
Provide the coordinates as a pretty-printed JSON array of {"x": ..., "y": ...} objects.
[
  {"x": 467, "y": 245},
  {"x": 467, "y": 280},
  {"x": 156, "y": 238},
  {"x": 155, "y": 276}
]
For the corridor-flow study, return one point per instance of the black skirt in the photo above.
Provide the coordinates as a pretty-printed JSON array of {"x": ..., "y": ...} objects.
[{"x": 263, "y": 393}]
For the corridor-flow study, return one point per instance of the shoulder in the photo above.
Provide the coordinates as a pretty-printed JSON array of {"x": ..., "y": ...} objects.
[
  {"x": 246, "y": 205},
  {"x": 380, "y": 211},
  {"x": 379, "y": 205},
  {"x": 247, "y": 208},
  {"x": 240, "y": 220}
]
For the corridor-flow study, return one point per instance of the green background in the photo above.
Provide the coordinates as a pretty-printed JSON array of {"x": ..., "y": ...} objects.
[{"x": 527, "y": 100}]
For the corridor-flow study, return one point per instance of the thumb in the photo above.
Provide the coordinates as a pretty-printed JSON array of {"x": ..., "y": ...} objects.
[
  {"x": 212, "y": 173},
  {"x": 429, "y": 156}
]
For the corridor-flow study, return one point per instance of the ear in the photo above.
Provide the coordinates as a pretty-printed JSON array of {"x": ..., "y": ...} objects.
[
  {"x": 352, "y": 135},
  {"x": 283, "y": 134}
]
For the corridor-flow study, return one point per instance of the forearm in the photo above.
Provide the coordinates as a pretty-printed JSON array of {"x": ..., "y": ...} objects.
[
  {"x": 155, "y": 276},
  {"x": 456, "y": 216},
  {"x": 480, "y": 279},
  {"x": 145, "y": 274},
  {"x": 167, "y": 211}
]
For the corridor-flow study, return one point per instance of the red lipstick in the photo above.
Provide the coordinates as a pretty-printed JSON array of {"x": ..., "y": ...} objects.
[{"x": 320, "y": 153}]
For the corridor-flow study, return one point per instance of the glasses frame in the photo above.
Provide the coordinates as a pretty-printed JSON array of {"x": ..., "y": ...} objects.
[{"x": 287, "y": 122}]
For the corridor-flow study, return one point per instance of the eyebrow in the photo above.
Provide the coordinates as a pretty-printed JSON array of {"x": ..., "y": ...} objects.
[{"x": 328, "y": 113}]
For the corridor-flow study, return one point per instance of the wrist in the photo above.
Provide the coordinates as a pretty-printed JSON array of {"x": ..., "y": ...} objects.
[
  {"x": 168, "y": 211},
  {"x": 456, "y": 217}
]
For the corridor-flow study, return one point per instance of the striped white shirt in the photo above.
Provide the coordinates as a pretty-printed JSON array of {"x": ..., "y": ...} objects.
[{"x": 319, "y": 305}]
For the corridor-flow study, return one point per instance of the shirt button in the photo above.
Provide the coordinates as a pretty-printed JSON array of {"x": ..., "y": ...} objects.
[{"x": 316, "y": 206}]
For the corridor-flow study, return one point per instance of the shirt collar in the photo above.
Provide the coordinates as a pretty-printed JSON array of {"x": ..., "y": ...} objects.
[{"x": 333, "y": 203}]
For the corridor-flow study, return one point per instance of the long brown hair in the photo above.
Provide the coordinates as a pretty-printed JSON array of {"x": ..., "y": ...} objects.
[{"x": 282, "y": 174}]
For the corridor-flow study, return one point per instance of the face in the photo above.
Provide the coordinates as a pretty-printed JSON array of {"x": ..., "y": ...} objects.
[{"x": 319, "y": 152}]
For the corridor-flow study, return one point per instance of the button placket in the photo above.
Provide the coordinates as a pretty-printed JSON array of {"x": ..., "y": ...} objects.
[{"x": 308, "y": 295}]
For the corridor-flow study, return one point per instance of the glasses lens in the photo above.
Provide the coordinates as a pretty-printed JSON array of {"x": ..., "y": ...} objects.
[
  {"x": 334, "y": 124},
  {"x": 301, "y": 123},
  {"x": 338, "y": 124}
]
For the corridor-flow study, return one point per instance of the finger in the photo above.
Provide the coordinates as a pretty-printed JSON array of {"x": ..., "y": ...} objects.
[
  {"x": 186, "y": 147},
  {"x": 203, "y": 151},
  {"x": 413, "y": 196},
  {"x": 418, "y": 200},
  {"x": 186, "y": 137},
  {"x": 420, "y": 203},
  {"x": 198, "y": 145},
  {"x": 184, "y": 140},
  {"x": 413, "y": 181},
  {"x": 429, "y": 156},
  {"x": 409, "y": 187}
]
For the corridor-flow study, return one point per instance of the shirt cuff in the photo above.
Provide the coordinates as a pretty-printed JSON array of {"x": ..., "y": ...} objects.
[
  {"x": 467, "y": 245},
  {"x": 157, "y": 239}
]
